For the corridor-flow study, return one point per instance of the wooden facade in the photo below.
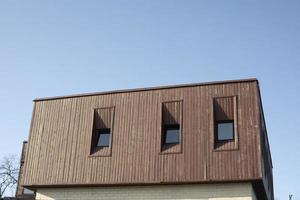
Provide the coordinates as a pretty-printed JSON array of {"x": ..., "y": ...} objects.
[
  {"x": 19, "y": 190},
  {"x": 20, "y": 193},
  {"x": 59, "y": 151}
]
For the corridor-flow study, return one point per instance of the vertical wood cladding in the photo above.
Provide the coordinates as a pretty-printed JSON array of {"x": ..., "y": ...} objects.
[
  {"x": 19, "y": 189},
  {"x": 224, "y": 108},
  {"x": 266, "y": 161},
  {"x": 171, "y": 113},
  {"x": 62, "y": 128}
]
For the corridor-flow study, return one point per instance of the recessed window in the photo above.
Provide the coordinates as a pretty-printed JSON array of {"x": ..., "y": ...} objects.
[
  {"x": 225, "y": 130},
  {"x": 172, "y": 134},
  {"x": 102, "y": 135},
  {"x": 103, "y": 138}
]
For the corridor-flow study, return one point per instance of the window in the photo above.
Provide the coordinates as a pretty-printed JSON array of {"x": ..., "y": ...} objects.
[
  {"x": 102, "y": 135},
  {"x": 171, "y": 127},
  {"x": 225, "y": 123},
  {"x": 172, "y": 134},
  {"x": 27, "y": 191},
  {"x": 225, "y": 130},
  {"x": 103, "y": 138}
]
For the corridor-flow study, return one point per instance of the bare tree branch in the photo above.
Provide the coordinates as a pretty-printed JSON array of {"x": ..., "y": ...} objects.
[{"x": 9, "y": 171}]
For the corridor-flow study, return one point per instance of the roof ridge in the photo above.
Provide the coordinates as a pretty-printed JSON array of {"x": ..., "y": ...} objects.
[{"x": 148, "y": 88}]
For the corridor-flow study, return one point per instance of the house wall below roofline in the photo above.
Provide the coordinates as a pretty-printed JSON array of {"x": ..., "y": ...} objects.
[{"x": 228, "y": 191}]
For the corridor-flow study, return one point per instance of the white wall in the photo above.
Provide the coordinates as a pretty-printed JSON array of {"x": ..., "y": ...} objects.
[{"x": 236, "y": 191}]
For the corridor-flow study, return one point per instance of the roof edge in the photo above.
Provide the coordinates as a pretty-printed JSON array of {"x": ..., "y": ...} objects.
[
  {"x": 117, "y": 184},
  {"x": 147, "y": 88}
]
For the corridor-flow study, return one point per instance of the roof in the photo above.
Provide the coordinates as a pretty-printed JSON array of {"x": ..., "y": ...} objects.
[{"x": 147, "y": 88}]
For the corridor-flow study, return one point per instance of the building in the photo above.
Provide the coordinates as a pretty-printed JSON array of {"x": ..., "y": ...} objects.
[{"x": 195, "y": 141}]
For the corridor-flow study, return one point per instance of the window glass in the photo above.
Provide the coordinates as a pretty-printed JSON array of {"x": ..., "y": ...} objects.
[
  {"x": 103, "y": 138},
  {"x": 27, "y": 191},
  {"x": 172, "y": 135},
  {"x": 225, "y": 130}
]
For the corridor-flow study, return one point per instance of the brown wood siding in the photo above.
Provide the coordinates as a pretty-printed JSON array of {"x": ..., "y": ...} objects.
[
  {"x": 224, "y": 108},
  {"x": 60, "y": 138},
  {"x": 20, "y": 189},
  {"x": 266, "y": 160},
  {"x": 103, "y": 118},
  {"x": 171, "y": 112}
]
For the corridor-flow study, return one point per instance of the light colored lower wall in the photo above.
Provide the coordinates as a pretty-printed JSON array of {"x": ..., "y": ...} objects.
[{"x": 234, "y": 191}]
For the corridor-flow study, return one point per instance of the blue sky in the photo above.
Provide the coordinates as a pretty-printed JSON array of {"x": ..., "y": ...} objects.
[{"x": 63, "y": 47}]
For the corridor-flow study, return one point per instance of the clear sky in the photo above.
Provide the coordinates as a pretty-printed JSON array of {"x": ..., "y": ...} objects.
[{"x": 50, "y": 48}]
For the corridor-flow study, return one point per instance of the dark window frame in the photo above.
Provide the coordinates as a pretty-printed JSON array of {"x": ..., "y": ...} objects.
[
  {"x": 217, "y": 131},
  {"x": 105, "y": 131},
  {"x": 172, "y": 127}
]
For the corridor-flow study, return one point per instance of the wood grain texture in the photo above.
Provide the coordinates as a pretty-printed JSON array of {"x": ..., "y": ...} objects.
[
  {"x": 224, "y": 108},
  {"x": 20, "y": 189},
  {"x": 62, "y": 128}
]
